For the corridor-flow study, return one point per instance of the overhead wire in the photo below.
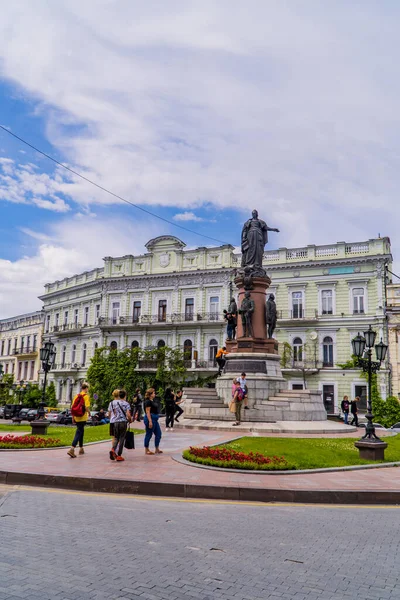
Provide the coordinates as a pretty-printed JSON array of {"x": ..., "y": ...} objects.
[{"x": 104, "y": 189}]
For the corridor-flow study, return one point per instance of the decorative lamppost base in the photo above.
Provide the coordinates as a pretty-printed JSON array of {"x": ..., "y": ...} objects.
[
  {"x": 39, "y": 427},
  {"x": 370, "y": 450}
]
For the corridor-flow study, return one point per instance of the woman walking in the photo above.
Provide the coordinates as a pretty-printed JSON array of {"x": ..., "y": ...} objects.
[
  {"x": 151, "y": 422},
  {"x": 80, "y": 410},
  {"x": 170, "y": 407},
  {"x": 354, "y": 411},
  {"x": 120, "y": 416}
]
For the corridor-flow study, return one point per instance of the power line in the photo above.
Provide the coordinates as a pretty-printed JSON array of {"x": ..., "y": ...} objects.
[
  {"x": 100, "y": 187},
  {"x": 391, "y": 272}
]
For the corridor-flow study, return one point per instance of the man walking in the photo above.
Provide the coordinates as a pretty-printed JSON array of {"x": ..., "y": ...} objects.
[
  {"x": 80, "y": 410},
  {"x": 120, "y": 415},
  {"x": 354, "y": 411}
]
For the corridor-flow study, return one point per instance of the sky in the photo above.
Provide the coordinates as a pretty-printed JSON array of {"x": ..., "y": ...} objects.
[{"x": 198, "y": 111}]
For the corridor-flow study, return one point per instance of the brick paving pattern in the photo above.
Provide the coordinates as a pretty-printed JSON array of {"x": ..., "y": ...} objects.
[{"x": 63, "y": 546}]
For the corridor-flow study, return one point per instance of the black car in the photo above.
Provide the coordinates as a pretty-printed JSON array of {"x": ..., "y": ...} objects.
[
  {"x": 1, "y": 412},
  {"x": 23, "y": 414},
  {"x": 64, "y": 418},
  {"x": 32, "y": 414},
  {"x": 12, "y": 410}
]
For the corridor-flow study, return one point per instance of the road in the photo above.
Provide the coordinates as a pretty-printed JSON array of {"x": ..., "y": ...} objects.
[{"x": 60, "y": 545}]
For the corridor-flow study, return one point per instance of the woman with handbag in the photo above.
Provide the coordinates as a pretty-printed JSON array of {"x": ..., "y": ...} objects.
[
  {"x": 120, "y": 415},
  {"x": 151, "y": 422}
]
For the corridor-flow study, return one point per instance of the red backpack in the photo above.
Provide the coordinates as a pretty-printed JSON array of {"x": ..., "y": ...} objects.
[
  {"x": 240, "y": 395},
  {"x": 78, "y": 407}
]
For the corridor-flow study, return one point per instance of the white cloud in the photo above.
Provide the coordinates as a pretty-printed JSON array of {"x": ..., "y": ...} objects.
[
  {"x": 187, "y": 216},
  {"x": 59, "y": 255}
]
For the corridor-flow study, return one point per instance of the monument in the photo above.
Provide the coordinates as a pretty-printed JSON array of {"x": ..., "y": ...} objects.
[{"x": 254, "y": 350}]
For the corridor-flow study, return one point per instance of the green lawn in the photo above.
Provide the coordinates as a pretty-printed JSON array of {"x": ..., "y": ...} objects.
[
  {"x": 313, "y": 453},
  {"x": 65, "y": 434}
]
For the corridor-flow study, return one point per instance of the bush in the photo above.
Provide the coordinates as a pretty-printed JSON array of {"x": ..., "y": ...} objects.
[
  {"x": 230, "y": 459},
  {"x": 27, "y": 441}
]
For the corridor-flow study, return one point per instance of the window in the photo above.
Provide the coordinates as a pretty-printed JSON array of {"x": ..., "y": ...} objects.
[
  {"x": 20, "y": 370},
  {"x": 137, "y": 307},
  {"x": 96, "y": 345},
  {"x": 28, "y": 342},
  {"x": 86, "y": 316},
  {"x": 47, "y": 324},
  {"x": 135, "y": 344},
  {"x": 63, "y": 355},
  {"x": 22, "y": 344},
  {"x": 187, "y": 350},
  {"x": 9, "y": 347},
  {"x": 73, "y": 354},
  {"x": 32, "y": 371},
  {"x": 189, "y": 309},
  {"x": 56, "y": 320},
  {"x": 66, "y": 318},
  {"x": 97, "y": 311},
  {"x": 76, "y": 316},
  {"x": 84, "y": 354},
  {"x": 160, "y": 344},
  {"x": 358, "y": 301},
  {"x": 297, "y": 386},
  {"x": 12, "y": 367},
  {"x": 297, "y": 305},
  {"x": 113, "y": 346},
  {"x": 115, "y": 312},
  {"x": 328, "y": 397},
  {"x": 2, "y": 347},
  {"x": 162, "y": 310},
  {"x": 297, "y": 349},
  {"x": 26, "y": 364},
  {"x": 214, "y": 308},
  {"x": 6, "y": 371},
  {"x": 35, "y": 341},
  {"x": 15, "y": 344},
  {"x": 212, "y": 350},
  {"x": 327, "y": 351}
]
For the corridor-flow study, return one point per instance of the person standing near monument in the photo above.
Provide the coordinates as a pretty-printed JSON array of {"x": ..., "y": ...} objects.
[
  {"x": 345, "y": 408},
  {"x": 354, "y": 411},
  {"x": 243, "y": 384},
  {"x": 238, "y": 399},
  {"x": 220, "y": 358}
]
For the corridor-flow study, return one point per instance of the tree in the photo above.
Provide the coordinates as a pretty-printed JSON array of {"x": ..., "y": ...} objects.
[
  {"x": 50, "y": 396},
  {"x": 5, "y": 387}
]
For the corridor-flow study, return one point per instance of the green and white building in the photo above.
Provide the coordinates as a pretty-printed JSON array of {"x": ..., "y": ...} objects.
[{"x": 174, "y": 296}]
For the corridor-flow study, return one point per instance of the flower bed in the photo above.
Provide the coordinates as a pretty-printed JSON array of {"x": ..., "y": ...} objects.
[
  {"x": 230, "y": 459},
  {"x": 11, "y": 442}
]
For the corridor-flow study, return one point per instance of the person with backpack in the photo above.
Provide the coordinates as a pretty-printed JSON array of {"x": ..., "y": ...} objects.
[
  {"x": 345, "y": 406},
  {"x": 80, "y": 411},
  {"x": 120, "y": 416},
  {"x": 354, "y": 411},
  {"x": 238, "y": 399}
]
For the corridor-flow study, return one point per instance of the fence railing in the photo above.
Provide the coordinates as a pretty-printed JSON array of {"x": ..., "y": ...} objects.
[
  {"x": 160, "y": 319},
  {"x": 66, "y": 327},
  {"x": 24, "y": 350}
]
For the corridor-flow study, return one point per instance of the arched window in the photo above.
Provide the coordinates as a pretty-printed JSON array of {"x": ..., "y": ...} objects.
[
  {"x": 63, "y": 355},
  {"x": 187, "y": 350},
  {"x": 297, "y": 349},
  {"x": 96, "y": 345},
  {"x": 73, "y": 354},
  {"x": 113, "y": 346},
  {"x": 327, "y": 350},
  {"x": 84, "y": 353},
  {"x": 160, "y": 344},
  {"x": 212, "y": 350},
  {"x": 135, "y": 344}
]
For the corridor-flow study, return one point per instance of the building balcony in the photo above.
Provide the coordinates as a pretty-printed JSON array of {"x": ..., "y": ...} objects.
[
  {"x": 66, "y": 329},
  {"x": 68, "y": 367},
  {"x": 299, "y": 316},
  {"x": 25, "y": 351},
  {"x": 145, "y": 320}
]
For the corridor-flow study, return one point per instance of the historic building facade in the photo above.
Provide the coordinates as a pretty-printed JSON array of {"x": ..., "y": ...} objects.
[
  {"x": 20, "y": 340},
  {"x": 175, "y": 297},
  {"x": 393, "y": 313}
]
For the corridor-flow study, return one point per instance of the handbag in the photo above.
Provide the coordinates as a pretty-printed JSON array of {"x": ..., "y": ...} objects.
[
  {"x": 232, "y": 406},
  {"x": 112, "y": 424},
  {"x": 129, "y": 439}
]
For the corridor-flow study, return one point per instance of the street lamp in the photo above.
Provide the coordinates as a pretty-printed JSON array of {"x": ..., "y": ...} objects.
[
  {"x": 20, "y": 388},
  {"x": 48, "y": 357},
  {"x": 370, "y": 445}
]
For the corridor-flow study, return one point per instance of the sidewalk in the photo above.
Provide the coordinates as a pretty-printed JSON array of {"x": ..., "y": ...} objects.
[{"x": 163, "y": 476}]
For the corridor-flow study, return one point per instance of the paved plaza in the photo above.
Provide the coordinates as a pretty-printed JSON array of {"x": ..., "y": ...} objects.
[{"x": 58, "y": 545}]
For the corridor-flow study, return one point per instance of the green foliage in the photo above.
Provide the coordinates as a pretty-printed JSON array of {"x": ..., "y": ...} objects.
[
  {"x": 51, "y": 399},
  {"x": 127, "y": 369},
  {"x": 287, "y": 354},
  {"x": 350, "y": 364},
  {"x": 32, "y": 397},
  {"x": 5, "y": 387}
]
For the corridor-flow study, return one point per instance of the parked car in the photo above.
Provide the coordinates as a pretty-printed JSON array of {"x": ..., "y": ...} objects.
[
  {"x": 12, "y": 410},
  {"x": 52, "y": 416},
  {"x": 396, "y": 428},
  {"x": 32, "y": 414},
  {"x": 64, "y": 417},
  {"x": 1, "y": 412},
  {"x": 23, "y": 414},
  {"x": 376, "y": 425}
]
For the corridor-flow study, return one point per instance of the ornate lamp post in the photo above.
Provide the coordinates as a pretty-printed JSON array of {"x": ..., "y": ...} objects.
[
  {"x": 48, "y": 357},
  {"x": 370, "y": 446},
  {"x": 20, "y": 388}
]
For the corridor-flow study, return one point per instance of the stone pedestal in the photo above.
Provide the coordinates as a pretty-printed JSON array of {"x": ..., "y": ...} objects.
[
  {"x": 39, "y": 427},
  {"x": 370, "y": 450}
]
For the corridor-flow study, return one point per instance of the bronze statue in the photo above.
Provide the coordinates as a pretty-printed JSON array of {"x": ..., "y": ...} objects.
[
  {"x": 270, "y": 315},
  {"x": 254, "y": 238},
  {"x": 246, "y": 311}
]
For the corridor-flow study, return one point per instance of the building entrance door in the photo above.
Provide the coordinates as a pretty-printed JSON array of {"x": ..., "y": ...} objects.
[
  {"x": 328, "y": 396},
  {"x": 361, "y": 391}
]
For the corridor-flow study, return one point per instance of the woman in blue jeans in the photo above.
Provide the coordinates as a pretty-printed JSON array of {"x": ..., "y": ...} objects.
[{"x": 151, "y": 422}]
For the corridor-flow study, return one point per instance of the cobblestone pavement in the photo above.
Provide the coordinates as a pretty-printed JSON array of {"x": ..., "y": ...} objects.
[{"x": 72, "y": 546}]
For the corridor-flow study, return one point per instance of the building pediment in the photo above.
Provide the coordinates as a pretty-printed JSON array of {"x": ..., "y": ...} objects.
[{"x": 165, "y": 241}]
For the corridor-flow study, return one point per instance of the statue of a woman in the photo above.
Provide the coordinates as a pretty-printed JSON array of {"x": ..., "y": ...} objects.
[{"x": 254, "y": 238}]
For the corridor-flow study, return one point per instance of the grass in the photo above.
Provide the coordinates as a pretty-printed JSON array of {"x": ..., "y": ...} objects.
[
  {"x": 313, "y": 453},
  {"x": 65, "y": 434}
]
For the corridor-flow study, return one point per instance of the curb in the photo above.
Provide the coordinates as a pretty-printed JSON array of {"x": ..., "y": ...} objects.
[{"x": 204, "y": 492}]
